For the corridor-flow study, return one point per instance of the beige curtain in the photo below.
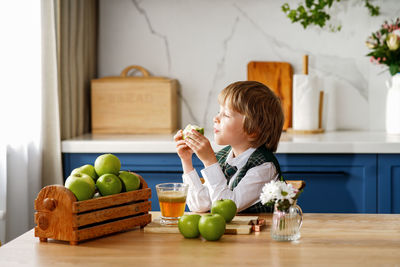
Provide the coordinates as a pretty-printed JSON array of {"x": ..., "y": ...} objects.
[
  {"x": 51, "y": 140},
  {"x": 77, "y": 54},
  {"x": 69, "y": 32}
]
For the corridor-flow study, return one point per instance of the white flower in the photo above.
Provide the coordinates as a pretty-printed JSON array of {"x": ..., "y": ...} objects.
[
  {"x": 277, "y": 191},
  {"x": 371, "y": 43},
  {"x": 269, "y": 192},
  {"x": 393, "y": 41}
]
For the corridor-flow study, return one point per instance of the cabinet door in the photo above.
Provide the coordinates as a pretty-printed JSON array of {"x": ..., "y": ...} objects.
[
  {"x": 389, "y": 183},
  {"x": 334, "y": 182}
]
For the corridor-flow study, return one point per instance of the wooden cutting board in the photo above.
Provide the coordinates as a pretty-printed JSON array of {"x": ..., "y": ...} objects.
[
  {"x": 240, "y": 225},
  {"x": 278, "y": 76}
]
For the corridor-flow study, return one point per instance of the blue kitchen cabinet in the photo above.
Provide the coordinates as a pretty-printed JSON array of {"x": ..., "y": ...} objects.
[
  {"x": 389, "y": 183},
  {"x": 345, "y": 183}
]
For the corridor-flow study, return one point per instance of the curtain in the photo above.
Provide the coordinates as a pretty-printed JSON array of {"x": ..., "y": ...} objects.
[
  {"x": 77, "y": 52},
  {"x": 51, "y": 136},
  {"x": 20, "y": 115}
]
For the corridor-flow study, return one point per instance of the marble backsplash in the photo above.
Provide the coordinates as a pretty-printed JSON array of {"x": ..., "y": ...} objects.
[{"x": 207, "y": 44}]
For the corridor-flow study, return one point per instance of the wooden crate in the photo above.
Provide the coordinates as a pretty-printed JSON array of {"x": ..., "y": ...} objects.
[
  {"x": 60, "y": 216},
  {"x": 134, "y": 105}
]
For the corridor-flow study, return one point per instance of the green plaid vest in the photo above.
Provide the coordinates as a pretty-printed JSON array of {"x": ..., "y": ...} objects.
[{"x": 258, "y": 157}]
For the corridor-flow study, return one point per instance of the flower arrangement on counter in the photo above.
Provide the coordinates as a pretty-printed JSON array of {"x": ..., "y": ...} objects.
[
  {"x": 280, "y": 193},
  {"x": 385, "y": 46}
]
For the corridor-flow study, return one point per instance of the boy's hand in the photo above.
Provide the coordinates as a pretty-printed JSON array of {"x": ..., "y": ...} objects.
[
  {"x": 202, "y": 147},
  {"x": 184, "y": 152}
]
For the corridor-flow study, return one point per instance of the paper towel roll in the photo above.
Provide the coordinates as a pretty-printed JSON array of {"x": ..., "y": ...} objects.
[{"x": 305, "y": 102}]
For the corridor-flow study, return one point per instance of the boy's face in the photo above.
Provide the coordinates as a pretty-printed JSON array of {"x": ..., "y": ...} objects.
[{"x": 228, "y": 127}]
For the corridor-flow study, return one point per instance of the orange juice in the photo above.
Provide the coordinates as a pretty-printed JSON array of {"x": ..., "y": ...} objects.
[{"x": 172, "y": 203}]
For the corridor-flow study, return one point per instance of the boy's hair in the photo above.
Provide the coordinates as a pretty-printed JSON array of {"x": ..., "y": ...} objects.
[{"x": 262, "y": 110}]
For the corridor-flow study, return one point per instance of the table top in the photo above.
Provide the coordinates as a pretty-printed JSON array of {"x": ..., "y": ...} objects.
[
  {"x": 328, "y": 142},
  {"x": 327, "y": 239}
]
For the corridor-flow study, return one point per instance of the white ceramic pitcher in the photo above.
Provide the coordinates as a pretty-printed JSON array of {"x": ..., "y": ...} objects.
[{"x": 393, "y": 105}]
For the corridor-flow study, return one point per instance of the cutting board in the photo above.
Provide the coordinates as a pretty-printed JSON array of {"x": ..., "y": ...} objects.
[
  {"x": 278, "y": 76},
  {"x": 240, "y": 225}
]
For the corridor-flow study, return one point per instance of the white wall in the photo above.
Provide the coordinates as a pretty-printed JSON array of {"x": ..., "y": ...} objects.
[{"x": 207, "y": 44}]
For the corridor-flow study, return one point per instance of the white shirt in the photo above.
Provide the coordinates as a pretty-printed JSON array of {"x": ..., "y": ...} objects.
[{"x": 245, "y": 194}]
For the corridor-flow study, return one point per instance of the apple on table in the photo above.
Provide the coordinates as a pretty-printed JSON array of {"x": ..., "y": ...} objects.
[
  {"x": 188, "y": 225},
  {"x": 225, "y": 207},
  {"x": 212, "y": 226}
]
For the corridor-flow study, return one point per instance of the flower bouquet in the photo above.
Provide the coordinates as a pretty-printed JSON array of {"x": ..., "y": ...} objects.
[
  {"x": 385, "y": 46},
  {"x": 280, "y": 194},
  {"x": 288, "y": 216}
]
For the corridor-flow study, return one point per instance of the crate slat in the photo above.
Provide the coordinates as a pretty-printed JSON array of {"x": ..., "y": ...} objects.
[
  {"x": 111, "y": 213},
  {"x": 113, "y": 227},
  {"x": 112, "y": 200}
]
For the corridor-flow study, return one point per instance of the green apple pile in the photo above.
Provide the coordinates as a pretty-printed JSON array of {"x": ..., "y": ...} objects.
[
  {"x": 105, "y": 177},
  {"x": 210, "y": 226}
]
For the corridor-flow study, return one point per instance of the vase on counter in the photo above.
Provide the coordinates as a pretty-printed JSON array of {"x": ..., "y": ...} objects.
[
  {"x": 393, "y": 106},
  {"x": 286, "y": 224}
]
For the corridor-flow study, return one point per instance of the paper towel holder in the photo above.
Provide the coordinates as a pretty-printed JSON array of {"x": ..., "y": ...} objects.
[{"x": 320, "y": 107}]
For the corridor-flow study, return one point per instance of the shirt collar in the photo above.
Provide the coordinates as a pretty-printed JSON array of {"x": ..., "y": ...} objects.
[{"x": 240, "y": 160}]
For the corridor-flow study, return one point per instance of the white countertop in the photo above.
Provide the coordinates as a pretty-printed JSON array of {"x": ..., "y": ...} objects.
[{"x": 329, "y": 142}]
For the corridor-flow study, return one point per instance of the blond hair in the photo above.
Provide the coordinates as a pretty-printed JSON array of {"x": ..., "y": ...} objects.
[{"x": 262, "y": 110}]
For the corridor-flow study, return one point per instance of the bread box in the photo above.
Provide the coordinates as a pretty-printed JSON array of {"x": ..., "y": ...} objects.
[{"x": 134, "y": 105}]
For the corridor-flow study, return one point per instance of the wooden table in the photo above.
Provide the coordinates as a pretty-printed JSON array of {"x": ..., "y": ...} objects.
[{"x": 327, "y": 239}]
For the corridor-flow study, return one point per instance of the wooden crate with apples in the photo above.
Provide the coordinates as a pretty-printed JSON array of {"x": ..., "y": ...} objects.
[{"x": 60, "y": 216}]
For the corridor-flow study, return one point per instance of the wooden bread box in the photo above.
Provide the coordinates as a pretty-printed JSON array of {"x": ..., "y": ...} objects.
[
  {"x": 134, "y": 105},
  {"x": 60, "y": 216}
]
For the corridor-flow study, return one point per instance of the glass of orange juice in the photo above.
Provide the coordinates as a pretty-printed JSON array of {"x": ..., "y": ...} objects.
[{"x": 172, "y": 199}]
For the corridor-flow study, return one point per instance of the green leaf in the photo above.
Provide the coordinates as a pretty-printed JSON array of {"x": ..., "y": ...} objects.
[
  {"x": 316, "y": 12},
  {"x": 285, "y": 7},
  {"x": 394, "y": 68}
]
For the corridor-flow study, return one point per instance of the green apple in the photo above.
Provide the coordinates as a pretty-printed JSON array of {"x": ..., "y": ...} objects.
[
  {"x": 82, "y": 185},
  {"x": 109, "y": 184},
  {"x": 86, "y": 169},
  {"x": 107, "y": 163},
  {"x": 212, "y": 226},
  {"x": 189, "y": 225},
  {"x": 225, "y": 207},
  {"x": 129, "y": 180},
  {"x": 191, "y": 127}
]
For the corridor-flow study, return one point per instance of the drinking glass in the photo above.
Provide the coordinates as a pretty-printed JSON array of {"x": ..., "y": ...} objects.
[{"x": 172, "y": 199}]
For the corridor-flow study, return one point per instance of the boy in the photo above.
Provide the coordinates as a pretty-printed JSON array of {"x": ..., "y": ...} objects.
[{"x": 250, "y": 123}]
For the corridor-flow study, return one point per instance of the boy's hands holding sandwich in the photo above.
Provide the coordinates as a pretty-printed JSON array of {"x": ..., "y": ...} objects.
[
  {"x": 201, "y": 146},
  {"x": 191, "y": 140}
]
